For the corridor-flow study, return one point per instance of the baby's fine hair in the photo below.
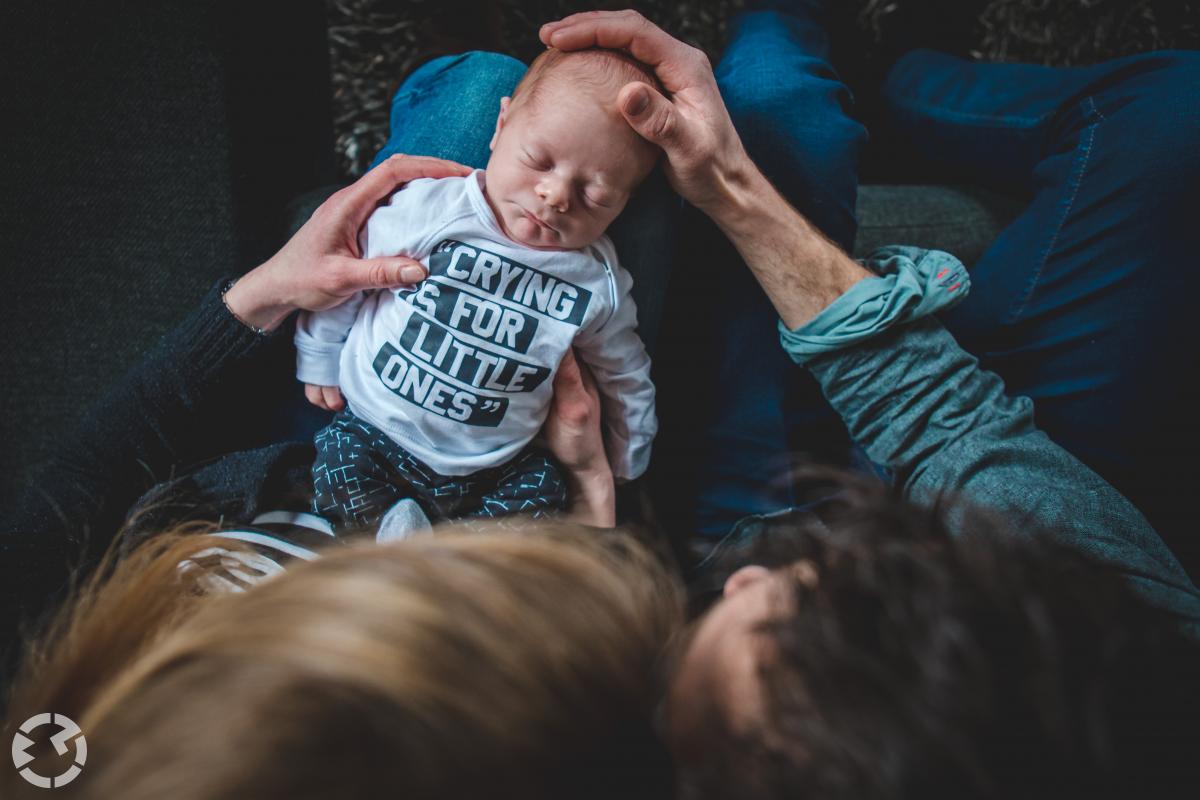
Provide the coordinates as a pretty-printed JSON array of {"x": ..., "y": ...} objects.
[{"x": 594, "y": 68}]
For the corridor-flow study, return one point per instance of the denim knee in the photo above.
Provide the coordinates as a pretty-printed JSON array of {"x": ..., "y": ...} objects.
[
  {"x": 1177, "y": 122},
  {"x": 792, "y": 113},
  {"x": 805, "y": 111},
  {"x": 768, "y": 70},
  {"x": 484, "y": 71},
  {"x": 448, "y": 106},
  {"x": 1153, "y": 119}
]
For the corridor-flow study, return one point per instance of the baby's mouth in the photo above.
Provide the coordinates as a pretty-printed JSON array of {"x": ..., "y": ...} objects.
[{"x": 539, "y": 222}]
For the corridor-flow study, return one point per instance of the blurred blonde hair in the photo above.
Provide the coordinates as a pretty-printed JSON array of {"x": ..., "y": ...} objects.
[{"x": 463, "y": 663}]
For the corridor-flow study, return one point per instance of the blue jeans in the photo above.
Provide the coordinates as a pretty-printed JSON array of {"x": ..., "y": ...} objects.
[{"x": 1081, "y": 303}]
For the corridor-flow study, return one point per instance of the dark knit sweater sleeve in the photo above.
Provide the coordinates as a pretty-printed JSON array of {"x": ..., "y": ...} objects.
[{"x": 160, "y": 416}]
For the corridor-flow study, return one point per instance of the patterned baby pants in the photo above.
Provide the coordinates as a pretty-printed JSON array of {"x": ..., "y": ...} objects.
[{"x": 360, "y": 473}]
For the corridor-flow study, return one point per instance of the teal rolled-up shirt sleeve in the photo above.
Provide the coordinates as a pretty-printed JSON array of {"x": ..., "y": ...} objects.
[
  {"x": 909, "y": 283},
  {"x": 921, "y": 406}
]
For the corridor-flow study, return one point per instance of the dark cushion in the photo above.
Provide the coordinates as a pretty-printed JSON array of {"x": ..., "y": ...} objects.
[
  {"x": 961, "y": 220},
  {"x": 150, "y": 146}
]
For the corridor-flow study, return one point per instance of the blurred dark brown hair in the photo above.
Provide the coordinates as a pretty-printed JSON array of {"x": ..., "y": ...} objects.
[{"x": 943, "y": 652}]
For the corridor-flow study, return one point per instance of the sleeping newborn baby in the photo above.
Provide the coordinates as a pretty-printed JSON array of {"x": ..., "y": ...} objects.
[{"x": 446, "y": 383}]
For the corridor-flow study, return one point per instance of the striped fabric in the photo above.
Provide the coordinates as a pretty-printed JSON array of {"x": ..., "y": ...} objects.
[{"x": 276, "y": 537}]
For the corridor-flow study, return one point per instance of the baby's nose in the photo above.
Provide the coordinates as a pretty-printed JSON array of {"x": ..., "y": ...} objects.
[{"x": 555, "y": 194}]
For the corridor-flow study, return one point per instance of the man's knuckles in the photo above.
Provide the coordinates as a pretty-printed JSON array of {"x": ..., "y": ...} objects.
[{"x": 662, "y": 125}]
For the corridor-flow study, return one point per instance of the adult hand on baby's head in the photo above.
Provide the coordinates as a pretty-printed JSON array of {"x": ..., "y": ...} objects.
[
  {"x": 704, "y": 153},
  {"x": 320, "y": 266}
]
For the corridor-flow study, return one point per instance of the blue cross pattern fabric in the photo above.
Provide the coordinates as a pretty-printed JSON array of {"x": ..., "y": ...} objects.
[{"x": 360, "y": 473}]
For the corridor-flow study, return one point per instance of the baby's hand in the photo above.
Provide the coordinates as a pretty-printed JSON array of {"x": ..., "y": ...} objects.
[{"x": 326, "y": 397}]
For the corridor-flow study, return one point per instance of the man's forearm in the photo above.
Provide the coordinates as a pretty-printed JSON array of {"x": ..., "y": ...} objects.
[{"x": 801, "y": 271}]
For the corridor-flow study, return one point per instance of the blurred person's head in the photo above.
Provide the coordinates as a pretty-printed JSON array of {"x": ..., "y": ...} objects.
[
  {"x": 893, "y": 651},
  {"x": 455, "y": 665},
  {"x": 564, "y": 161}
]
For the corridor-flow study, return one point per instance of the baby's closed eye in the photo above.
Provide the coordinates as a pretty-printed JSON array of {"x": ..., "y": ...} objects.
[
  {"x": 599, "y": 197},
  {"x": 535, "y": 162}
]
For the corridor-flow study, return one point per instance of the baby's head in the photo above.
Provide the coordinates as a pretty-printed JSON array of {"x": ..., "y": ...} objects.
[{"x": 564, "y": 161}]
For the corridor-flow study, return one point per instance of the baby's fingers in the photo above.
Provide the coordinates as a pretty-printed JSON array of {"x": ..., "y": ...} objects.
[
  {"x": 332, "y": 397},
  {"x": 326, "y": 397},
  {"x": 313, "y": 395}
]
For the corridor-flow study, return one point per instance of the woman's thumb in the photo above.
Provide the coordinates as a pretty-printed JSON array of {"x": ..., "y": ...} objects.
[
  {"x": 386, "y": 272},
  {"x": 648, "y": 113}
]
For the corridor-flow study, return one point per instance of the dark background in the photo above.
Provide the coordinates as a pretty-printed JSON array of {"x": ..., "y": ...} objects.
[{"x": 374, "y": 41}]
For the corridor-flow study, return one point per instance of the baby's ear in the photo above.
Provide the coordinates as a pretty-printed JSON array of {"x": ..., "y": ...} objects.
[{"x": 499, "y": 121}]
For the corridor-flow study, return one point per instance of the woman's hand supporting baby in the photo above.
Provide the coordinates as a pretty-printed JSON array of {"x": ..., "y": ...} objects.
[{"x": 321, "y": 266}]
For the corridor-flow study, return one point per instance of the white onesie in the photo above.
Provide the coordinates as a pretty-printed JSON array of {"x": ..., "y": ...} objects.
[{"x": 458, "y": 369}]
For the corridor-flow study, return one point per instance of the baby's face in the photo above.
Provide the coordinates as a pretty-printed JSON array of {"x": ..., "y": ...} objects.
[{"x": 562, "y": 168}]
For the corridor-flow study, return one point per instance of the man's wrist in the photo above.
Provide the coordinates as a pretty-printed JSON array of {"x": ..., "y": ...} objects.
[
  {"x": 801, "y": 271},
  {"x": 737, "y": 201}
]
